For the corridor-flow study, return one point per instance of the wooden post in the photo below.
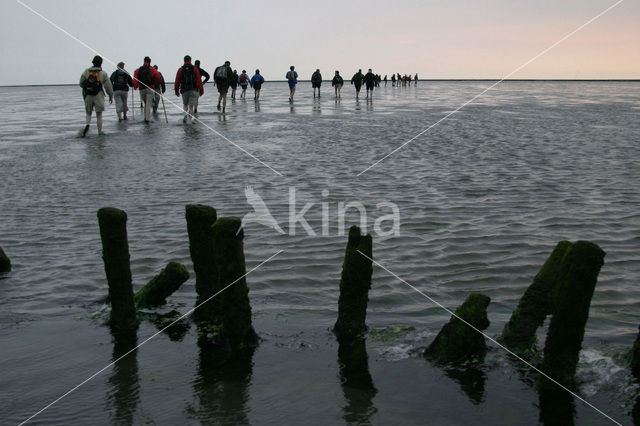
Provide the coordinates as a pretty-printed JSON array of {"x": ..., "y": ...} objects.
[{"x": 163, "y": 285}]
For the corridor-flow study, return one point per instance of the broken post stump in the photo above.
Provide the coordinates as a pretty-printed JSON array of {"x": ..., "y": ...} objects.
[
  {"x": 156, "y": 291},
  {"x": 115, "y": 254},
  {"x": 457, "y": 341},
  {"x": 232, "y": 328},
  {"x": 5, "y": 263},
  {"x": 536, "y": 304},
  {"x": 200, "y": 218},
  {"x": 355, "y": 283},
  {"x": 576, "y": 283}
]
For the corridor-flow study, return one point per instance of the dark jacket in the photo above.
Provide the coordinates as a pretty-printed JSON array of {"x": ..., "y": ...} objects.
[
  {"x": 121, "y": 80},
  {"x": 229, "y": 78}
]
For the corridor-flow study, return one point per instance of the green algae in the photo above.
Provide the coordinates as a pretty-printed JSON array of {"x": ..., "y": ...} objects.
[
  {"x": 390, "y": 333},
  {"x": 355, "y": 283},
  {"x": 156, "y": 291}
]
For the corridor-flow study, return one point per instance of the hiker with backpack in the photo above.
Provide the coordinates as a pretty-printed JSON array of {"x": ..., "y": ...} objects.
[
  {"x": 256, "y": 83},
  {"x": 188, "y": 83},
  {"x": 370, "y": 82},
  {"x": 145, "y": 80},
  {"x": 222, "y": 77},
  {"x": 292, "y": 79},
  {"x": 121, "y": 81},
  {"x": 316, "y": 81},
  {"x": 337, "y": 83},
  {"x": 356, "y": 80},
  {"x": 234, "y": 84},
  {"x": 203, "y": 74},
  {"x": 243, "y": 81},
  {"x": 159, "y": 89},
  {"x": 94, "y": 82}
]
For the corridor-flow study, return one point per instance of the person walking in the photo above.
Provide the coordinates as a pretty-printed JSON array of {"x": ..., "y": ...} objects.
[
  {"x": 370, "y": 82},
  {"x": 256, "y": 83},
  {"x": 159, "y": 89},
  {"x": 337, "y": 83},
  {"x": 145, "y": 80},
  {"x": 203, "y": 74},
  {"x": 234, "y": 84},
  {"x": 243, "y": 81},
  {"x": 415, "y": 79},
  {"x": 222, "y": 77},
  {"x": 94, "y": 82},
  {"x": 292, "y": 79},
  {"x": 393, "y": 80},
  {"x": 121, "y": 81},
  {"x": 385, "y": 80},
  {"x": 356, "y": 80},
  {"x": 316, "y": 81},
  {"x": 188, "y": 83}
]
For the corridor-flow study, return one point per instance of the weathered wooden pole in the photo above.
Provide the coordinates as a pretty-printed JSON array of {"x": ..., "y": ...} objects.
[
  {"x": 536, "y": 304},
  {"x": 457, "y": 341},
  {"x": 232, "y": 310},
  {"x": 200, "y": 218},
  {"x": 163, "y": 285},
  {"x": 5, "y": 263},
  {"x": 576, "y": 283},
  {"x": 115, "y": 254},
  {"x": 355, "y": 283}
]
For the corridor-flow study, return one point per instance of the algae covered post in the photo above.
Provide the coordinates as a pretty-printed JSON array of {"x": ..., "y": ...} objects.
[
  {"x": 115, "y": 253},
  {"x": 200, "y": 218},
  {"x": 5, "y": 263},
  {"x": 161, "y": 286},
  {"x": 355, "y": 283},
  {"x": 457, "y": 341}
]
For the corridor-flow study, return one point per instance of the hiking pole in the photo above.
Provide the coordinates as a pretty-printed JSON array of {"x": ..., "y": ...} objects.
[
  {"x": 133, "y": 105},
  {"x": 163, "y": 108}
]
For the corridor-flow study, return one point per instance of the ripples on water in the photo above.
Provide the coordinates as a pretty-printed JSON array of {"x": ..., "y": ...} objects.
[{"x": 484, "y": 197}]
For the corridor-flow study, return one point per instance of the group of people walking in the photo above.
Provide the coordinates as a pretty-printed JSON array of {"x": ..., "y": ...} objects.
[{"x": 189, "y": 84}]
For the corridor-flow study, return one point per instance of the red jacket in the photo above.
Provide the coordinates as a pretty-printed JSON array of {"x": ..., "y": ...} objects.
[
  {"x": 156, "y": 77},
  {"x": 177, "y": 87}
]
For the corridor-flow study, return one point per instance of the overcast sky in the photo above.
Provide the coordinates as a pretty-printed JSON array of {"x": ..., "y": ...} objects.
[{"x": 436, "y": 39}]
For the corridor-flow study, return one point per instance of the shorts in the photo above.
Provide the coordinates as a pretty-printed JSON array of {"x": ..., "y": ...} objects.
[
  {"x": 370, "y": 86},
  {"x": 92, "y": 102},
  {"x": 257, "y": 85},
  {"x": 358, "y": 86},
  {"x": 147, "y": 95},
  {"x": 234, "y": 85},
  {"x": 120, "y": 97},
  {"x": 223, "y": 88},
  {"x": 316, "y": 84},
  {"x": 292, "y": 84},
  {"x": 244, "y": 85},
  {"x": 190, "y": 97}
]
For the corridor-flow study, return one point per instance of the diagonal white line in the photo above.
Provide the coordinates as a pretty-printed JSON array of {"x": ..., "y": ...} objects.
[
  {"x": 56, "y": 26},
  {"x": 491, "y": 339},
  {"x": 146, "y": 340},
  {"x": 492, "y": 86}
]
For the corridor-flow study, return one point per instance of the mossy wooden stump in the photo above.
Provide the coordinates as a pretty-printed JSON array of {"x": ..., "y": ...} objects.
[
  {"x": 355, "y": 283},
  {"x": 581, "y": 265},
  {"x": 458, "y": 342},
  {"x": 635, "y": 357},
  {"x": 200, "y": 218},
  {"x": 5, "y": 263},
  {"x": 156, "y": 291},
  {"x": 231, "y": 326},
  {"x": 536, "y": 304},
  {"x": 115, "y": 254}
]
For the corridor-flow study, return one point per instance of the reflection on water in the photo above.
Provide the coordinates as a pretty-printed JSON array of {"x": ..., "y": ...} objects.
[
  {"x": 357, "y": 384},
  {"x": 556, "y": 405},
  {"x": 221, "y": 385},
  {"x": 471, "y": 379},
  {"x": 124, "y": 392}
]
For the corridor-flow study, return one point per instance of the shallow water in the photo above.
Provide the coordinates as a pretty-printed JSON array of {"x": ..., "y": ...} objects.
[{"x": 484, "y": 197}]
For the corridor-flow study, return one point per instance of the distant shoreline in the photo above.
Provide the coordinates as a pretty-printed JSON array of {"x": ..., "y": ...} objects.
[{"x": 569, "y": 80}]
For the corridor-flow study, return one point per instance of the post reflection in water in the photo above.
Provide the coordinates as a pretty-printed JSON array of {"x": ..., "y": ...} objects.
[
  {"x": 124, "y": 393},
  {"x": 355, "y": 379},
  {"x": 471, "y": 379},
  {"x": 556, "y": 405},
  {"x": 221, "y": 385}
]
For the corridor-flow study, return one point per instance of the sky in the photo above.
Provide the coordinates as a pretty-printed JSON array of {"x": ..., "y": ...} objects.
[{"x": 468, "y": 39}]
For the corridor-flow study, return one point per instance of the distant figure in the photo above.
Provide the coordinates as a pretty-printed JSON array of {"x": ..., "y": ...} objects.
[
  {"x": 121, "y": 81},
  {"x": 398, "y": 79},
  {"x": 356, "y": 80},
  {"x": 292, "y": 79},
  {"x": 370, "y": 82},
  {"x": 94, "y": 82},
  {"x": 243, "y": 81},
  {"x": 223, "y": 76},
  {"x": 415, "y": 79},
  {"x": 256, "y": 83},
  {"x": 159, "y": 89},
  {"x": 203, "y": 74},
  {"x": 316, "y": 81},
  {"x": 385, "y": 80},
  {"x": 188, "y": 83},
  {"x": 393, "y": 80},
  {"x": 145, "y": 79},
  {"x": 337, "y": 83},
  {"x": 409, "y": 80},
  {"x": 234, "y": 84}
]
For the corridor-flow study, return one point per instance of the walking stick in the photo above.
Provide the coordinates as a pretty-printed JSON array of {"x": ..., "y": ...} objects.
[
  {"x": 133, "y": 107},
  {"x": 163, "y": 108}
]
